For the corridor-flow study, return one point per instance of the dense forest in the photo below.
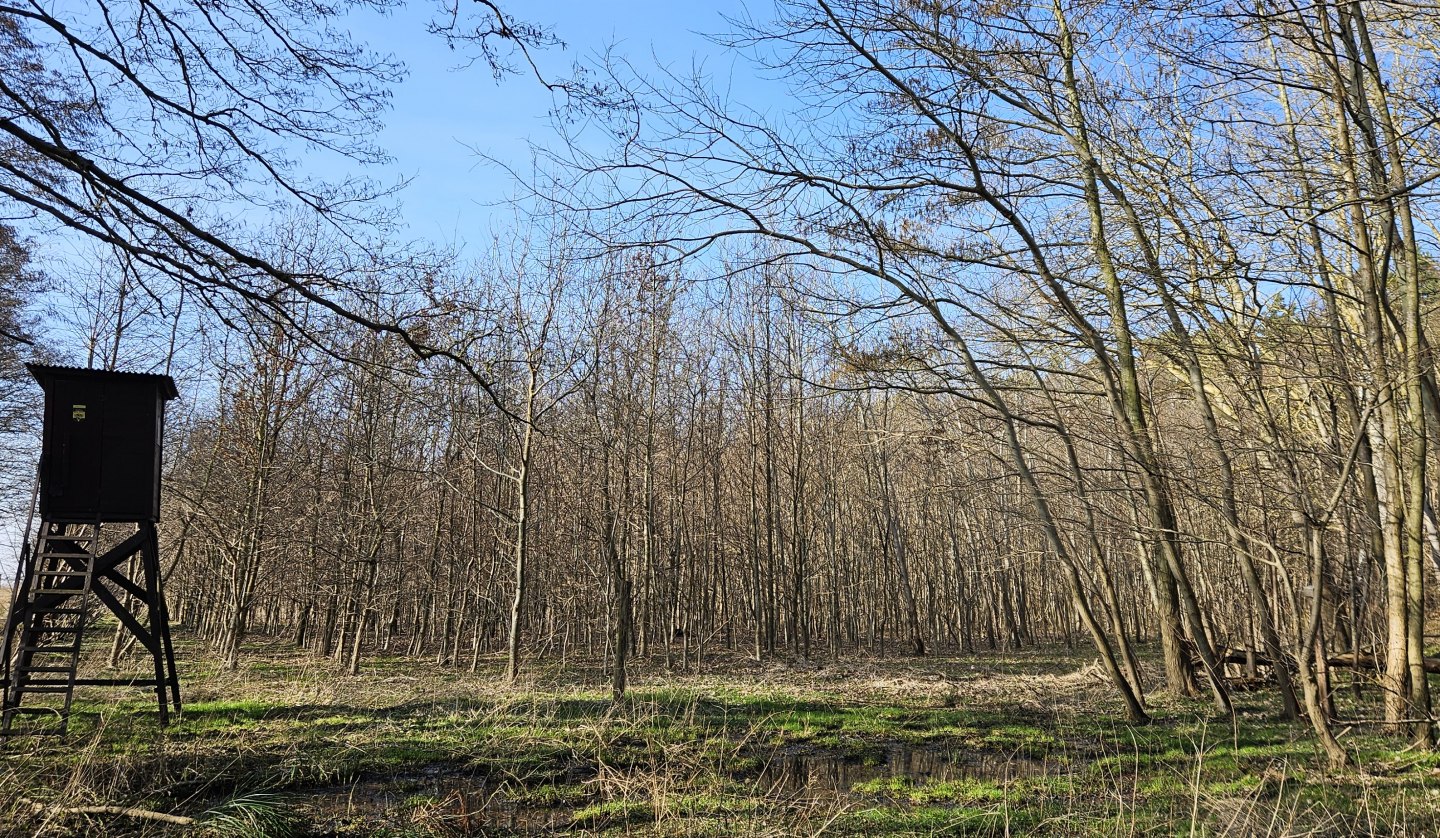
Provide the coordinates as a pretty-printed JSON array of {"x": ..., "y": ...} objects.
[{"x": 1098, "y": 325}]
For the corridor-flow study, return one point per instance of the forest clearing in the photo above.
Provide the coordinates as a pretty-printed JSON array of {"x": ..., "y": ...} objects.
[
  {"x": 1027, "y": 743},
  {"x": 843, "y": 417}
]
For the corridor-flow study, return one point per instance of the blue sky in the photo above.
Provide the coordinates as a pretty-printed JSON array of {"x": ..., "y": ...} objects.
[{"x": 444, "y": 119}]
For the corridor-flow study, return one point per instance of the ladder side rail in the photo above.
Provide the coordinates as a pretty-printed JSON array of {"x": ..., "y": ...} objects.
[
  {"x": 17, "y": 624},
  {"x": 19, "y": 607},
  {"x": 14, "y": 618}
]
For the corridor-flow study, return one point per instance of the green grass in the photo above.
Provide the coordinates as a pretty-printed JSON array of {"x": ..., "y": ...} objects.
[{"x": 869, "y": 749}]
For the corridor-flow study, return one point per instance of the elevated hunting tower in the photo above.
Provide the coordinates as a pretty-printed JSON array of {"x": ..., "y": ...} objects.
[{"x": 99, "y": 467}]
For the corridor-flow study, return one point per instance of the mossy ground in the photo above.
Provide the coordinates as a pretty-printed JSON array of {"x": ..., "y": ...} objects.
[{"x": 1017, "y": 744}]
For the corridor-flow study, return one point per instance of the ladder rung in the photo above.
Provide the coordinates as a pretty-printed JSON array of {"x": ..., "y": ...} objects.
[
  {"x": 62, "y": 573},
  {"x": 43, "y": 688},
  {"x": 49, "y": 650}
]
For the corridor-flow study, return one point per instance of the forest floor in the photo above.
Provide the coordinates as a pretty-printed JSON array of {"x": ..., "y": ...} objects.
[{"x": 1001, "y": 744}]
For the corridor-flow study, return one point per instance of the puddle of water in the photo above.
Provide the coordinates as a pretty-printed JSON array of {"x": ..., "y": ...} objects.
[
  {"x": 809, "y": 772},
  {"x": 463, "y": 804}
]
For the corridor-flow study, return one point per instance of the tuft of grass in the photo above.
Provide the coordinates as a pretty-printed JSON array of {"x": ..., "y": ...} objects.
[{"x": 256, "y": 815}]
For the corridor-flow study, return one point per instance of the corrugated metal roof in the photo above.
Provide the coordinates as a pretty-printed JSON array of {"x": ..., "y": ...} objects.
[{"x": 44, "y": 371}]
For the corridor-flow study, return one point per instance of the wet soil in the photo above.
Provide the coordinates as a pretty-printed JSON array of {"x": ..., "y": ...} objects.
[{"x": 469, "y": 804}]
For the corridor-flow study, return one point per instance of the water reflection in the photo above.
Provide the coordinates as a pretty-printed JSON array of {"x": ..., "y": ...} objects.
[
  {"x": 809, "y": 772},
  {"x": 464, "y": 805}
]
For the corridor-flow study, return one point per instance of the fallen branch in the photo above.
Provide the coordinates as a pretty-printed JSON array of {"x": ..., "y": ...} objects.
[{"x": 119, "y": 811}]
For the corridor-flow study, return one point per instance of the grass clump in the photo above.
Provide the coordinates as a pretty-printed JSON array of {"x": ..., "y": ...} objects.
[{"x": 255, "y": 815}]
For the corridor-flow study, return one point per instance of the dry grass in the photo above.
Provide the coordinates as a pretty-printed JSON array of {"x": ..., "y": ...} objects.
[{"x": 1021, "y": 744}]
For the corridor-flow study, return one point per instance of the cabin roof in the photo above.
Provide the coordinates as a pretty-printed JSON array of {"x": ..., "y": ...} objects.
[{"x": 45, "y": 372}]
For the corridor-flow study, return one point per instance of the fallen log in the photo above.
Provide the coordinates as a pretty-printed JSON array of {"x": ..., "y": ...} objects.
[
  {"x": 1367, "y": 661},
  {"x": 1244, "y": 657},
  {"x": 1348, "y": 660}
]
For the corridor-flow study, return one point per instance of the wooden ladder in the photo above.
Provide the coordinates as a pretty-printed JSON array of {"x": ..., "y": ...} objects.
[{"x": 51, "y": 605}]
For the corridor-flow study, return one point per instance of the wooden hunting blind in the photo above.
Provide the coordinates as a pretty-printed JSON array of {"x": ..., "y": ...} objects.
[
  {"x": 100, "y": 455},
  {"x": 99, "y": 467}
]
